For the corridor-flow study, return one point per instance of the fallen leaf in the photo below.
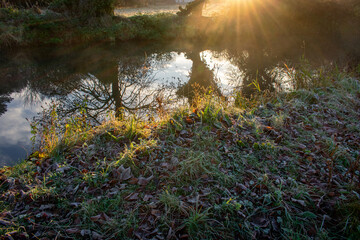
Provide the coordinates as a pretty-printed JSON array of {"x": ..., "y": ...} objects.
[
  {"x": 75, "y": 204},
  {"x": 95, "y": 218},
  {"x": 144, "y": 181},
  {"x": 132, "y": 197},
  {"x": 301, "y": 202},
  {"x": 183, "y": 133},
  {"x": 122, "y": 173},
  {"x": 85, "y": 232},
  {"x": 48, "y": 206},
  {"x": 72, "y": 230},
  {"x": 6, "y": 223},
  {"x": 156, "y": 213},
  {"x": 133, "y": 180},
  {"x": 96, "y": 236},
  {"x": 189, "y": 120},
  {"x": 147, "y": 197}
]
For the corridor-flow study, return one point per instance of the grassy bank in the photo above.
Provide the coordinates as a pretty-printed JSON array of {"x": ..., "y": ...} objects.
[
  {"x": 27, "y": 28},
  {"x": 285, "y": 166}
]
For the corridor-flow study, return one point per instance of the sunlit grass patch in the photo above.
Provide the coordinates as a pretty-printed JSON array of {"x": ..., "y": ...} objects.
[
  {"x": 23, "y": 171},
  {"x": 141, "y": 149},
  {"x": 194, "y": 165},
  {"x": 42, "y": 191},
  {"x": 278, "y": 120}
]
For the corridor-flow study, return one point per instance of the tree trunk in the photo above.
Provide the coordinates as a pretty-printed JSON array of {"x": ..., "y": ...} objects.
[
  {"x": 119, "y": 111},
  {"x": 198, "y": 9}
]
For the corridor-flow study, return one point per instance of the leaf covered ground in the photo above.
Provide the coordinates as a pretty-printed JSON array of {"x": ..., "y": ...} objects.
[{"x": 287, "y": 169}]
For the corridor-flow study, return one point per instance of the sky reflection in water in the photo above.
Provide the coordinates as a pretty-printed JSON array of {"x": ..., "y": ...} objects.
[{"x": 15, "y": 133}]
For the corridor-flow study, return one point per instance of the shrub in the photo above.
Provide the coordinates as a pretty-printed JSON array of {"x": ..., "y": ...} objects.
[
  {"x": 131, "y": 3},
  {"x": 24, "y": 3},
  {"x": 85, "y": 8}
]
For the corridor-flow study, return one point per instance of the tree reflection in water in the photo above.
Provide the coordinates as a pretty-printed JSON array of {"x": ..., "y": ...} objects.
[
  {"x": 202, "y": 79},
  {"x": 123, "y": 85},
  {"x": 254, "y": 66},
  {"x": 13, "y": 70}
]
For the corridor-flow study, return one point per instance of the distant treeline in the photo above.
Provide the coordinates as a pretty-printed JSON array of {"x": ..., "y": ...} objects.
[{"x": 45, "y": 3}]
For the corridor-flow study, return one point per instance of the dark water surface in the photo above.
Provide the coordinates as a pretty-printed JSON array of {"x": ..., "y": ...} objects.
[{"x": 132, "y": 76}]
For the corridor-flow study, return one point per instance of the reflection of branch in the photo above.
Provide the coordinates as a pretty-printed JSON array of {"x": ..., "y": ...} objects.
[
  {"x": 31, "y": 96},
  {"x": 139, "y": 107},
  {"x": 3, "y": 100}
]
